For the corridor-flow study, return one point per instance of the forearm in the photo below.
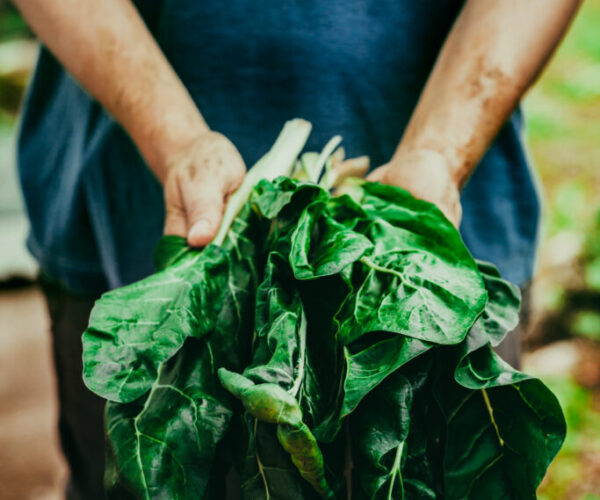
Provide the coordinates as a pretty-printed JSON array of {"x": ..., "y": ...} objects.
[
  {"x": 492, "y": 55},
  {"x": 107, "y": 47}
]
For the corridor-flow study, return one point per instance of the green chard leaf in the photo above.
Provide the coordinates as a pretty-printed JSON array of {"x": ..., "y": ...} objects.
[
  {"x": 186, "y": 413},
  {"x": 269, "y": 473},
  {"x": 379, "y": 439},
  {"x": 324, "y": 246},
  {"x": 170, "y": 249},
  {"x": 499, "y": 440},
  {"x": 180, "y": 422},
  {"x": 272, "y": 381},
  {"x": 420, "y": 280},
  {"x": 308, "y": 316},
  {"x": 395, "y": 439},
  {"x": 404, "y": 290},
  {"x": 503, "y": 428},
  {"x": 279, "y": 344},
  {"x": 134, "y": 329},
  {"x": 271, "y": 404}
]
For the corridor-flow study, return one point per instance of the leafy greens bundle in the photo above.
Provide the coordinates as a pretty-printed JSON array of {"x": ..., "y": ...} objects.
[{"x": 320, "y": 344}]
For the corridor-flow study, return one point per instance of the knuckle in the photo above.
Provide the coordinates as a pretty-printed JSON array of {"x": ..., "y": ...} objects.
[
  {"x": 178, "y": 176},
  {"x": 172, "y": 211}
]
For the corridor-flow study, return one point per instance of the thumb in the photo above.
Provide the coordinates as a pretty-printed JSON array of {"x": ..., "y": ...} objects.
[{"x": 204, "y": 209}]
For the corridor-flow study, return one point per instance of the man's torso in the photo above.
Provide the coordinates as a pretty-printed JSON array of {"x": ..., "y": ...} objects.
[{"x": 352, "y": 68}]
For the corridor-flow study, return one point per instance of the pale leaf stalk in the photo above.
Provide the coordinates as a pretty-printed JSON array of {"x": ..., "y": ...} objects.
[
  {"x": 278, "y": 161},
  {"x": 301, "y": 361}
]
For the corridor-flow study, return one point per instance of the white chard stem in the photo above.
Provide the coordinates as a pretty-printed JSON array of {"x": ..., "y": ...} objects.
[{"x": 278, "y": 161}]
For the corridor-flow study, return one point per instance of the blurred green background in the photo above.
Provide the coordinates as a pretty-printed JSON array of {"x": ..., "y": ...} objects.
[{"x": 563, "y": 132}]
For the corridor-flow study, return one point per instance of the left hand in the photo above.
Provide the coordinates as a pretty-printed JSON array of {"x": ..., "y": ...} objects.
[
  {"x": 426, "y": 175},
  {"x": 198, "y": 181}
]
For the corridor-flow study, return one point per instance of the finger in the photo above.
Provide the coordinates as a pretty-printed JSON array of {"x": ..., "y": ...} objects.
[
  {"x": 449, "y": 214},
  {"x": 452, "y": 209},
  {"x": 204, "y": 208},
  {"x": 454, "y": 206},
  {"x": 457, "y": 215},
  {"x": 176, "y": 220},
  {"x": 354, "y": 167},
  {"x": 376, "y": 175}
]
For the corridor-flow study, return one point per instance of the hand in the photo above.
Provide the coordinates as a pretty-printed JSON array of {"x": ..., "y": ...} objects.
[
  {"x": 198, "y": 183},
  {"x": 425, "y": 174}
]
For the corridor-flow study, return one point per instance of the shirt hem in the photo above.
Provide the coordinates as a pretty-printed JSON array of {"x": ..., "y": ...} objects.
[{"x": 75, "y": 277}]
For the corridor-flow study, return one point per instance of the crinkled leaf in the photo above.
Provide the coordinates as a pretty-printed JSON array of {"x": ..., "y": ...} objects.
[
  {"x": 322, "y": 245},
  {"x": 507, "y": 435},
  {"x": 379, "y": 431},
  {"x": 503, "y": 428},
  {"x": 132, "y": 330},
  {"x": 163, "y": 445},
  {"x": 369, "y": 366},
  {"x": 501, "y": 313},
  {"x": 419, "y": 281},
  {"x": 268, "y": 470},
  {"x": 170, "y": 249},
  {"x": 285, "y": 198},
  {"x": 370, "y": 311},
  {"x": 477, "y": 367},
  {"x": 279, "y": 343},
  {"x": 409, "y": 287}
]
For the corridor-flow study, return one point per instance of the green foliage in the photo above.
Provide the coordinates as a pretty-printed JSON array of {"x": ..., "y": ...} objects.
[
  {"x": 587, "y": 324},
  {"x": 569, "y": 207},
  {"x": 454, "y": 433},
  {"x": 569, "y": 475},
  {"x": 319, "y": 313},
  {"x": 562, "y": 121},
  {"x": 591, "y": 256},
  {"x": 134, "y": 329},
  {"x": 11, "y": 24}
]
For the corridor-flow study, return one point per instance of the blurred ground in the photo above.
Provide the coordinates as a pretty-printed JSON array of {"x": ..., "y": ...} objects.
[
  {"x": 563, "y": 342},
  {"x": 31, "y": 467}
]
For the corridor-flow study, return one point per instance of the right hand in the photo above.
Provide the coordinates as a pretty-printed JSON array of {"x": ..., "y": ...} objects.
[
  {"x": 198, "y": 182},
  {"x": 427, "y": 176}
]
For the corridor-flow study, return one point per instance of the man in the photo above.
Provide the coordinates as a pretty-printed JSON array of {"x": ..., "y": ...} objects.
[{"x": 424, "y": 88}]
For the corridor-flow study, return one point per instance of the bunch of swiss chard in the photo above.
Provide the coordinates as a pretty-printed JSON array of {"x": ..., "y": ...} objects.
[{"x": 320, "y": 345}]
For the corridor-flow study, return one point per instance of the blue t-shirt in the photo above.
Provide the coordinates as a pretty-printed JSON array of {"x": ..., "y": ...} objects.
[{"x": 351, "y": 67}]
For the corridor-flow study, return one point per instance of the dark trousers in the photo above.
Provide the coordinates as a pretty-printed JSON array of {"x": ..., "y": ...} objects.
[
  {"x": 510, "y": 348},
  {"x": 81, "y": 412}
]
